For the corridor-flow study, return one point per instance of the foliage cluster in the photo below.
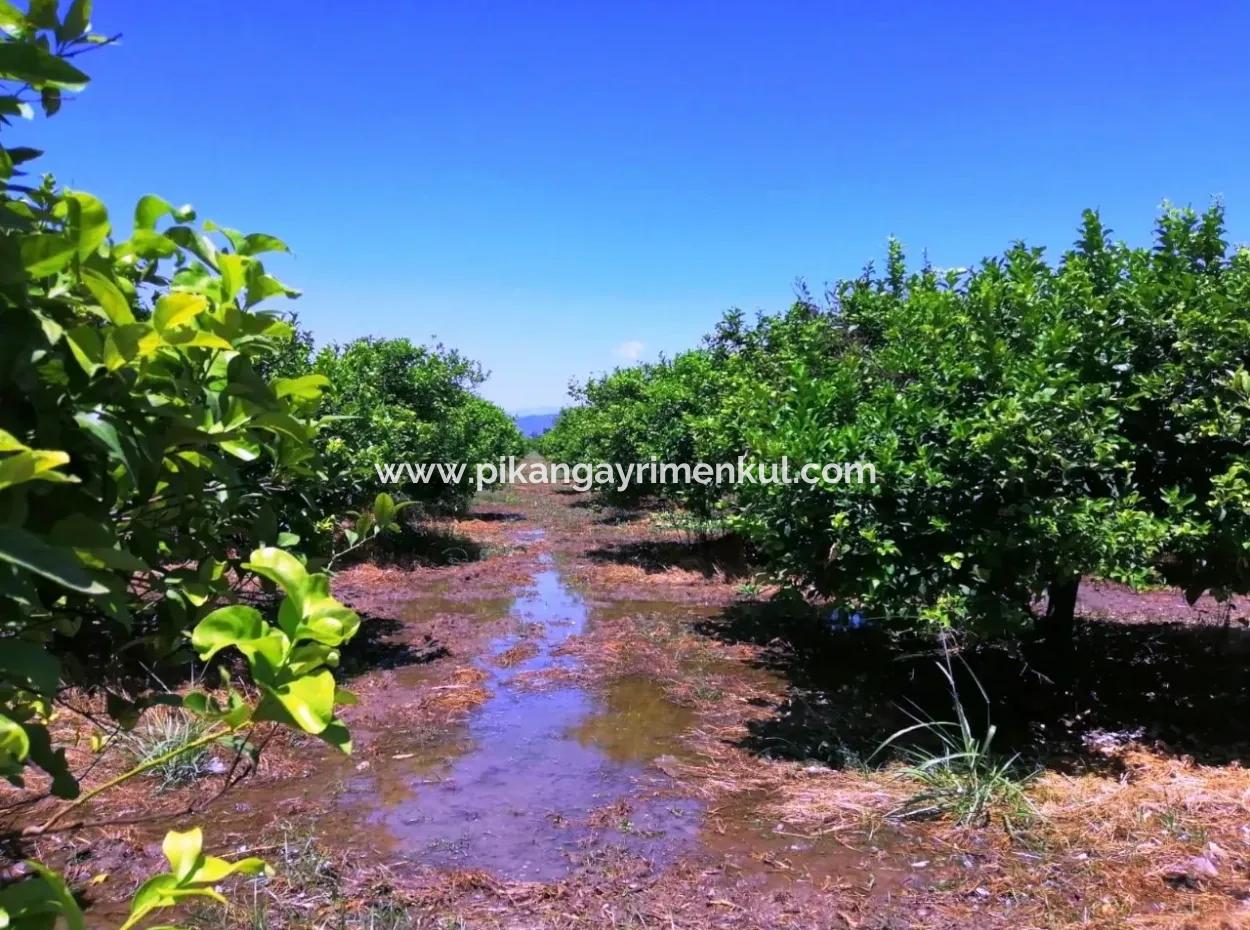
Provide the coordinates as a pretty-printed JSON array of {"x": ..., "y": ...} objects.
[
  {"x": 635, "y": 415},
  {"x": 1030, "y": 422},
  {"x": 161, "y": 473},
  {"x": 393, "y": 401}
]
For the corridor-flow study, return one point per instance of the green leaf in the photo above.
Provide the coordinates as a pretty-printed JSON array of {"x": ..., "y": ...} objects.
[
  {"x": 243, "y": 450},
  {"x": 197, "y": 244},
  {"x": 195, "y": 339},
  {"x": 77, "y": 21},
  {"x": 261, "y": 286},
  {"x": 236, "y": 239},
  {"x": 45, "y": 254},
  {"x": 42, "y": 13},
  {"x": 155, "y": 893},
  {"x": 36, "y": 903},
  {"x": 33, "y": 465},
  {"x": 305, "y": 387},
  {"x": 29, "y": 552},
  {"x": 149, "y": 209},
  {"x": 147, "y": 243},
  {"x": 12, "y": 106},
  {"x": 34, "y": 65},
  {"x": 177, "y": 309},
  {"x": 20, "y": 154},
  {"x": 12, "y": 20},
  {"x": 214, "y": 870},
  {"x": 14, "y": 743},
  {"x": 384, "y": 509},
  {"x": 123, "y": 344},
  {"x": 91, "y": 221},
  {"x": 105, "y": 433},
  {"x": 259, "y": 243},
  {"x": 50, "y": 100},
  {"x": 51, "y": 761},
  {"x": 114, "y": 304},
  {"x": 10, "y": 443},
  {"x": 183, "y": 851},
  {"x": 29, "y": 666},
  {"x": 308, "y": 702},
  {"x": 225, "y": 627},
  {"x": 87, "y": 347},
  {"x": 233, "y": 270},
  {"x": 280, "y": 567},
  {"x": 337, "y": 735}
]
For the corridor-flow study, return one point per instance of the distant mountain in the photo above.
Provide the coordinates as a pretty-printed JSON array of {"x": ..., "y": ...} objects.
[{"x": 535, "y": 424}]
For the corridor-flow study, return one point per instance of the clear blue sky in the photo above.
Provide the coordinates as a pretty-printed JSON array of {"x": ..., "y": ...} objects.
[{"x": 551, "y": 186}]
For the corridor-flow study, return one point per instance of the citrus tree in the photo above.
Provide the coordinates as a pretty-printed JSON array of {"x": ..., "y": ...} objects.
[
  {"x": 1031, "y": 423},
  {"x": 640, "y": 414},
  {"x": 148, "y": 472},
  {"x": 392, "y": 401}
]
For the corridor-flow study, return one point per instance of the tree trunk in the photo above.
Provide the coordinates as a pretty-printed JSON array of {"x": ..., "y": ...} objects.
[{"x": 1058, "y": 624}]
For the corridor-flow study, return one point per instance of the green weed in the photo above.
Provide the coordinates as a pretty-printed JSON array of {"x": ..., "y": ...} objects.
[
  {"x": 960, "y": 774},
  {"x": 162, "y": 731}
]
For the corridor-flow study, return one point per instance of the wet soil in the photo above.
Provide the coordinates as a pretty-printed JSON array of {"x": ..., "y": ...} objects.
[
  {"x": 517, "y": 792},
  {"x": 570, "y": 717}
]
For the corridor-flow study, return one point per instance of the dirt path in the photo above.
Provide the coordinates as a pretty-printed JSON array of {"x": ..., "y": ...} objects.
[
  {"x": 573, "y": 718},
  {"x": 543, "y": 770}
]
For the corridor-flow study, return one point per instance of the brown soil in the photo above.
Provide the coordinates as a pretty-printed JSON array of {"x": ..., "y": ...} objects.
[{"x": 712, "y": 756}]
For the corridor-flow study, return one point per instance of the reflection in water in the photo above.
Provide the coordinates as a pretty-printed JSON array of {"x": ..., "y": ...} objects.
[
  {"x": 636, "y": 723},
  {"x": 535, "y": 764}
]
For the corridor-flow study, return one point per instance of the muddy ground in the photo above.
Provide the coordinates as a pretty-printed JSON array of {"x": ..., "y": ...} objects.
[{"x": 573, "y": 717}]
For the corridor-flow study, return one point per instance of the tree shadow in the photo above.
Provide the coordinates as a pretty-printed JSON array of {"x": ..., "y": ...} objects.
[
  {"x": 725, "y": 556},
  {"x": 420, "y": 545},
  {"x": 495, "y": 516},
  {"x": 376, "y": 646},
  {"x": 1184, "y": 687},
  {"x": 619, "y": 517}
]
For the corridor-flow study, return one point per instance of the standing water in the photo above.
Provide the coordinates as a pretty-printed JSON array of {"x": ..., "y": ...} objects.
[{"x": 545, "y": 770}]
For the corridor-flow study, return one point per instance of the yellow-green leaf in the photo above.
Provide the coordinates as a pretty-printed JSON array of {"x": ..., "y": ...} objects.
[
  {"x": 196, "y": 338},
  {"x": 178, "y": 309},
  {"x": 306, "y": 387},
  {"x": 46, "y": 254},
  {"x": 183, "y": 851},
  {"x": 233, "y": 274},
  {"x": 91, "y": 221},
  {"x": 10, "y": 443},
  {"x": 14, "y": 742},
  {"x": 33, "y": 465},
  {"x": 123, "y": 344},
  {"x": 111, "y": 300}
]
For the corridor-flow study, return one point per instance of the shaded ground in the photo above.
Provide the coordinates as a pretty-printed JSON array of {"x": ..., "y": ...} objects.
[
  {"x": 572, "y": 717},
  {"x": 1180, "y": 685}
]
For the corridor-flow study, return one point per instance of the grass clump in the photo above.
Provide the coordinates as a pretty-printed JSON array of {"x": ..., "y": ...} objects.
[
  {"x": 955, "y": 764},
  {"x": 161, "y": 732},
  {"x": 694, "y": 527}
]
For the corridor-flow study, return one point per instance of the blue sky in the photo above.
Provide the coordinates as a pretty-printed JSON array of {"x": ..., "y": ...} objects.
[{"x": 556, "y": 187}]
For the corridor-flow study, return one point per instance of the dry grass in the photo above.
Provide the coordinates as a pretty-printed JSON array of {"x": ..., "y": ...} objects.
[
  {"x": 515, "y": 655},
  {"x": 461, "y": 695},
  {"x": 1168, "y": 837}
]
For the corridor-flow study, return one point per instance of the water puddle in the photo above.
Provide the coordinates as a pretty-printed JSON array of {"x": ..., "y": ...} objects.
[
  {"x": 540, "y": 775},
  {"x": 440, "y": 599},
  {"x": 550, "y": 772},
  {"x": 636, "y": 722}
]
